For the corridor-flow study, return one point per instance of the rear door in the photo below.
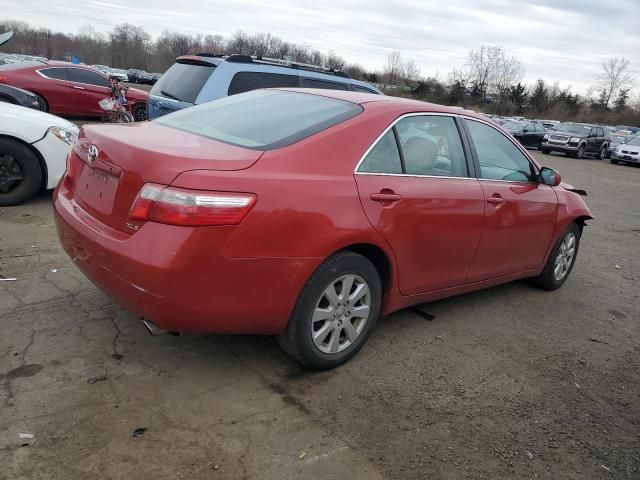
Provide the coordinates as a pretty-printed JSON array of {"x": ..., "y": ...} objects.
[
  {"x": 88, "y": 87},
  {"x": 520, "y": 213},
  {"x": 417, "y": 191}
]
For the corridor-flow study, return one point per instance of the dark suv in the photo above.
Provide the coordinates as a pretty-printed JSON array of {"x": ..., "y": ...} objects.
[{"x": 577, "y": 140}]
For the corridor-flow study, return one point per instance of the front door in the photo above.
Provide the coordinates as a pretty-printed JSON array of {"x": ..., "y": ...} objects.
[
  {"x": 520, "y": 213},
  {"x": 417, "y": 193},
  {"x": 87, "y": 89}
]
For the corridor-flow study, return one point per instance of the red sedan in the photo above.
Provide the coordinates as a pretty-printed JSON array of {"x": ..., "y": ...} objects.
[
  {"x": 307, "y": 214},
  {"x": 67, "y": 89}
]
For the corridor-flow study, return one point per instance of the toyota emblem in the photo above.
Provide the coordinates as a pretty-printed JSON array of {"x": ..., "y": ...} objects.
[{"x": 92, "y": 154}]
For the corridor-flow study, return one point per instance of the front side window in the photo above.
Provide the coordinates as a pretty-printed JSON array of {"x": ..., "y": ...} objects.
[
  {"x": 246, "y": 81},
  {"x": 262, "y": 119},
  {"x": 431, "y": 146},
  {"x": 314, "y": 83},
  {"x": 55, "y": 73},
  {"x": 80, "y": 75},
  {"x": 498, "y": 157},
  {"x": 384, "y": 157}
]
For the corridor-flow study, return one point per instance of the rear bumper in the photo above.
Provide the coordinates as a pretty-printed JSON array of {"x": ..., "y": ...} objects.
[{"x": 176, "y": 277}]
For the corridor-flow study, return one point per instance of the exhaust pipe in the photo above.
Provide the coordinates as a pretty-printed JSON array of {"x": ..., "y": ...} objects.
[{"x": 153, "y": 328}]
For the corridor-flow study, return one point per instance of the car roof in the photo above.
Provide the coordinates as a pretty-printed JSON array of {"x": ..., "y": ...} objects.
[{"x": 401, "y": 104}]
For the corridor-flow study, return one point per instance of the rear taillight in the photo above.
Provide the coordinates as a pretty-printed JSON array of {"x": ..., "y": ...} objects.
[
  {"x": 3, "y": 79},
  {"x": 193, "y": 208}
]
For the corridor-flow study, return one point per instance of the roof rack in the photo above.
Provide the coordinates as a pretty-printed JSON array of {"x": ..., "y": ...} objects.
[{"x": 237, "y": 58}]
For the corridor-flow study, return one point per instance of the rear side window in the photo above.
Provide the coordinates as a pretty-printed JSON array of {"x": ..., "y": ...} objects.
[
  {"x": 313, "y": 83},
  {"x": 262, "y": 119},
  {"x": 183, "y": 81},
  {"x": 383, "y": 157},
  {"x": 358, "y": 88},
  {"x": 80, "y": 75},
  {"x": 55, "y": 73},
  {"x": 431, "y": 146},
  {"x": 247, "y": 81}
]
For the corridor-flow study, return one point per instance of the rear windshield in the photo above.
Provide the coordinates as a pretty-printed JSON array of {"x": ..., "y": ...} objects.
[
  {"x": 262, "y": 119},
  {"x": 183, "y": 81}
]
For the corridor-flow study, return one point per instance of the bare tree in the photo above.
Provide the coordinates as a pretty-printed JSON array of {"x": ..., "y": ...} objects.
[
  {"x": 489, "y": 67},
  {"x": 393, "y": 69},
  {"x": 615, "y": 75},
  {"x": 411, "y": 71}
]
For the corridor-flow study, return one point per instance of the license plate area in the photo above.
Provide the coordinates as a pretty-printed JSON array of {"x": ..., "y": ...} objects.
[{"x": 96, "y": 188}]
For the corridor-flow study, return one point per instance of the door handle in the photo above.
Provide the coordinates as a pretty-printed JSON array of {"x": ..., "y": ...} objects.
[
  {"x": 495, "y": 200},
  {"x": 385, "y": 197},
  {"x": 77, "y": 87}
]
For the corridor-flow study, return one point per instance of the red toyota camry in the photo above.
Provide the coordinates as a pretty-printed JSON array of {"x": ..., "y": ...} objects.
[
  {"x": 308, "y": 214},
  {"x": 63, "y": 88}
]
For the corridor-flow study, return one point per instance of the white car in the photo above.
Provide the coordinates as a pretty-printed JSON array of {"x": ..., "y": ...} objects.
[{"x": 33, "y": 152}]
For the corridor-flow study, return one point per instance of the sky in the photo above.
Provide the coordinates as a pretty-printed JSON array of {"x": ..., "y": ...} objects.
[{"x": 556, "y": 40}]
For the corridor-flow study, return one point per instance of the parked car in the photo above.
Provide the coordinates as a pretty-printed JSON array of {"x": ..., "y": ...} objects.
[
  {"x": 139, "y": 76},
  {"x": 155, "y": 77},
  {"x": 18, "y": 96},
  {"x": 67, "y": 89},
  {"x": 33, "y": 152},
  {"x": 362, "y": 205},
  {"x": 615, "y": 140},
  {"x": 631, "y": 130},
  {"x": 103, "y": 68},
  {"x": 118, "y": 73},
  {"x": 628, "y": 152},
  {"x": 196, "y": 79},
  {"x": 528, "y": 134},
  {"x": 577, "y": 140}
]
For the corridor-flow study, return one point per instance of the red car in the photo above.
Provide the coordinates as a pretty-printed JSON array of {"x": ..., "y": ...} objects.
[
  {"x": 307, "y": 214},
  {"x": 67, "y": 89}
]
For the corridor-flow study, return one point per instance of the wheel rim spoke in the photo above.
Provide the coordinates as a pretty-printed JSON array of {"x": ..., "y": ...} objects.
[
  {"x": 360, "y": 312},
  {"x": 334, "y": 343},
  {"x": 331, "y": 295},
  {"x": 347, "y": 285},
  {"x": 350, "y": 331},
  {"x": 360, "y": 291}
]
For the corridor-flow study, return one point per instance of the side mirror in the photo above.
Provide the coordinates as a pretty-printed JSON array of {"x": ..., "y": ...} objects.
[{"x": 549, "y": 176}]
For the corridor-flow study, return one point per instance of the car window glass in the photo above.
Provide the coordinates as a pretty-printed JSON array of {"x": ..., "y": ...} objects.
[
  {"x": 246, "y": 81},
  {"x": 80, "y": 75},
  {"x": 313, "y": 83},
  {"x": 499, "y": 158},
  {"x": 55, "y": 73},
  {"x": 600, "y": 132},
  {"x": 183, "y": 81},
  {"x": 358, "y": 88},
  {"x": 383, "y": 157},
  {"x": 540, "y": 128},
  {"x": 262, "y": 119},
  {"x": 431, "y": 145}
]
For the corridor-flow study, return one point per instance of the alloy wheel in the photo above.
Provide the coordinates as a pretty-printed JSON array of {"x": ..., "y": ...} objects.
[
  {"x": 341, "y": 314},
  {"x": 564, "y": 259},
  {"x": 11, "y": 173}
]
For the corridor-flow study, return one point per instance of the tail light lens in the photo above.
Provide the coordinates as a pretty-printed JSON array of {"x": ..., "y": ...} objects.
[
  {"x": 190, "y": 208},
  {"x": 3, "y": 79}
]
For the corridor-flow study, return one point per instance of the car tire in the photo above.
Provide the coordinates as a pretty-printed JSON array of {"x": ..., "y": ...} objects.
[
  {"x": 18, "y": 160},
  {"x": 342, "y": 270},
  {"x": 44, "y": 106},
  {"x": 603, "y": 152},
  {"x": 580, "y": 152},
  {"x": 615, "y": 162},
  {"x": 139, "y": 113},
  {"x": 559, "y": 265},
  {"x": 546, "y": 151}
]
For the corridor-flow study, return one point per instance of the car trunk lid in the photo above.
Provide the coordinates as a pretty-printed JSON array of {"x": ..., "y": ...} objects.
[{"x": 110, "y": 164}]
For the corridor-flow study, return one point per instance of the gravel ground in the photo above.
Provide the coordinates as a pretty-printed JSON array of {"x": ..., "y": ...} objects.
[{"x": 510, "y": 382}]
